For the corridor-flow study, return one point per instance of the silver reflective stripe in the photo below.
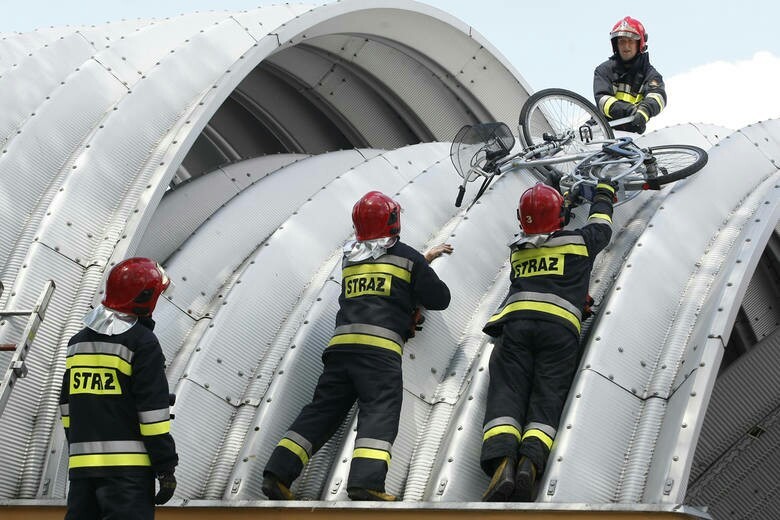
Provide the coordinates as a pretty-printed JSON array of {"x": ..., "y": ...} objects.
[
  {"x": 89, "y": 448},
  {"x": 576, "y": 240},
  {"x": 524, "y": 296},
  {"x": 546, "y": 428},
  {"x": 398, "y": 261},
  {"x": 502, "y": 421},
  {"x": 98, "y": 347},
  {"x": 300, "y": 440},
  {"x": 374, "y": 444},
  {"x": 371, "y": 330},
  {"x": 153, "y": 416},
  {"x": 64, "y": 409}
]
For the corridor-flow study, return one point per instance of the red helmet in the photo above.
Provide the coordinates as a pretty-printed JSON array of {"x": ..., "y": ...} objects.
[
  {"x": 376, "y": 215},
  {"x": 134, "y": 285},
  {"x": 630, "y": 28},
  {"x": 541, "y": 210}
]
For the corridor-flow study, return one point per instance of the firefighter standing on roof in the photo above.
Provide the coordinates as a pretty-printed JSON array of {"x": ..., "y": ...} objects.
[
  {"x": 627, "y": 85},
  {"x": 115, "y": 402},
  {"x": 383, "y": 281},
  {"x": 532, "y": 366}
]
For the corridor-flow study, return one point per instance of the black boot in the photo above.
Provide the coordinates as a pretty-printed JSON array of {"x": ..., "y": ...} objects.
[
  {"x": 525, "y": 481},
  {"x": 274, "y": 489},
  {"x": 369, "y": 494},
  {"x": 502, "y": 484}
]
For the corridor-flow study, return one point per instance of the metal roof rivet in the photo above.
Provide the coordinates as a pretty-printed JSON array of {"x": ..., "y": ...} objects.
[
  {"x": 620, "y": 349},
  {"x": 206, "y": 385},
  {"x": 578, "y": 396}
]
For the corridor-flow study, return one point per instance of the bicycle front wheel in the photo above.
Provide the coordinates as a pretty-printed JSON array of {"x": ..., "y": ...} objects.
[
  {"x": 669, "y": 163},
  {"x": 558, "y": 112}
]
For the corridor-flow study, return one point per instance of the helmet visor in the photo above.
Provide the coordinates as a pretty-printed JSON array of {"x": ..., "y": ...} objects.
[{"x": 624, "y": 34}]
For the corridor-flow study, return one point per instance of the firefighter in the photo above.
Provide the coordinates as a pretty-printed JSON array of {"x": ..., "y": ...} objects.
[
  {"x": 115, "y": 402},
  {"x": 383, "y": 283},
  {"x": 627, "y": 85},
  {"x": 537, "y": 328}
]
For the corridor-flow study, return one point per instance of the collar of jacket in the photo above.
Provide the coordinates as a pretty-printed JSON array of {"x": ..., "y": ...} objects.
[
  {"x": 356, "y": 251},
  {"x": 108, "y": 321}
]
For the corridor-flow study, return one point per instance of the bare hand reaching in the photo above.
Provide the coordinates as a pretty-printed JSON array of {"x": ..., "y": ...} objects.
[{"x": 437, "y": 251}]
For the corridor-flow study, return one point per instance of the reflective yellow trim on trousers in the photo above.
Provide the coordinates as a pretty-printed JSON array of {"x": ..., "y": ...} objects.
[
  {"x": 498, "y": 430},
  {"x": 365, "y": 339},
  {"x": 66, "y": 421},
  {"x": 156, "y": 428},
  {"x": 109, "y": 459},
  {"x": 99, "y": 360},
  {"x": 300, "y": 452},
  {"x": 396, "y": 271},
  {"x": 548, "y": 308},
  {"x": 368, "y": 453},
  {"x": 539, "y": 434}
]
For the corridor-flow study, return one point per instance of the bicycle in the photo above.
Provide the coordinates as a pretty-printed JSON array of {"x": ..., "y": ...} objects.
[{"x": 571, "y": 146}]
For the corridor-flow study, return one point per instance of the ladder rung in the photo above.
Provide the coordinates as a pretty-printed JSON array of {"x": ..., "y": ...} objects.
[{"x": 16, "y": 313}]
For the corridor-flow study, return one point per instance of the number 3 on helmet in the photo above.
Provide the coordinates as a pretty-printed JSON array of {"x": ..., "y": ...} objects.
[
  {"x": 541, "y": 210},
  {"x": 134, "y": 285},
  {"x": 376, "y": 215}
]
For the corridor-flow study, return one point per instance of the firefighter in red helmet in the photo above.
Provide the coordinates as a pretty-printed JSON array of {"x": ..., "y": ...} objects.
[
  {"x": 627, "y": 84},
  {"x": 538, "y": 324},
  {"x": 114, "y": 402},
  {"x": 383, "y": 282}
]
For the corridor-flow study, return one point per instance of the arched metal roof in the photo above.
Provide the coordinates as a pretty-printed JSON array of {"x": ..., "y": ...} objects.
[{"x": 230, "y": 146}]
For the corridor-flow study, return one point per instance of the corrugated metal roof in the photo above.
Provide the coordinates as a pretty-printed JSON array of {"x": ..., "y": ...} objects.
[{"x": 153, "y": 137}]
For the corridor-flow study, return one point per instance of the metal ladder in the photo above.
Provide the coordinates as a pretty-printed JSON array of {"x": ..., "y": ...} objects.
[{"x": 17, "y": 369}]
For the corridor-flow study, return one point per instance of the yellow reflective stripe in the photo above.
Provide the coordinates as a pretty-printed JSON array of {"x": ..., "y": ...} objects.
[
  {"x": 601, "y": 216},
  {"x": 109, "y": 459},
  {"x": 611, "y": 101},
  {"x": 498, "y": 430},
  {"x": 548, "y": 308},
  {"x": 99, "y": 360},
  {"x": 365, "y": 339},
  {"x": 66, "y": 421},
  {"x": 394, "y": 270},
  {"x": 570, "y": 249},
  {"x": 625, "y": 96},
  {"x": 605, "y": 186},
  {"x": 658, "y": 98},
  {"x": 644, "y": 114},
  {"x": 156, "y": 428},
  {"x": 370, "y": 453},
  {"x": 293, "y": 447},
  {"x": 539, "y": 434}
]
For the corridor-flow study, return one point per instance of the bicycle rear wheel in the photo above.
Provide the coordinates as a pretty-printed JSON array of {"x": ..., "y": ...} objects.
[
  {"x": 672, "y": 163},
  {"x": 558, "y": 111}
]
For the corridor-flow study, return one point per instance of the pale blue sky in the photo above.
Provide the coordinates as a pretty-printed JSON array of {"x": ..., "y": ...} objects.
[{"x": 552, "y": 43}]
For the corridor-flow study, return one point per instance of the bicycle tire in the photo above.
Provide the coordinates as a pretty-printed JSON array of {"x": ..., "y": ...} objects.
[
  {"x": 559, "y": 110},
  {"x": 677, "y": 161}
]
